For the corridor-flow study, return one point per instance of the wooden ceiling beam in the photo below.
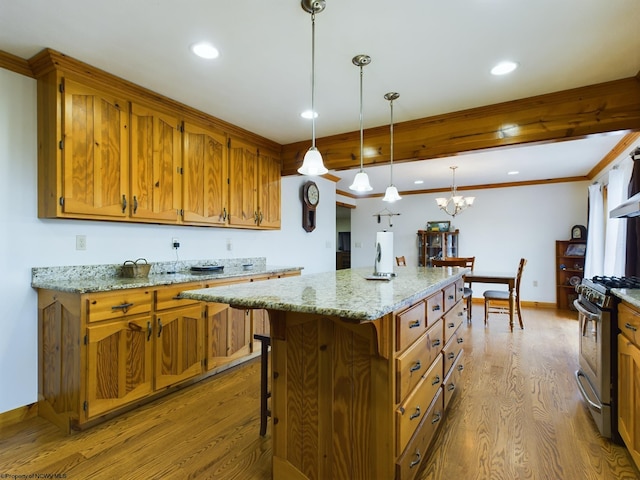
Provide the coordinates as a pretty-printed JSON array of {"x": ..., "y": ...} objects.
[{"x": 566, "y": 115}]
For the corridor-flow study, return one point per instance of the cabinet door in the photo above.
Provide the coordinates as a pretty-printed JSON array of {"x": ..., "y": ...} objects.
[
  {"x": 629, "y": 395},
  {"x": 119, "y": 366},
  {"x": 95, "y": 154},
  {"x": 243, "y": 209},
  {"x": 205, "y": 176},
  {"x": 178, "y": 354},
  {"x": 155, "y": 165},
  {"x": 228, "y": 332},
  {"x": 268, "y": 190}
]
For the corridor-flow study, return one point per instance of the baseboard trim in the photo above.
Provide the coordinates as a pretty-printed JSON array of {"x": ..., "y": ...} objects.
[{"x": 19, "y": 414}]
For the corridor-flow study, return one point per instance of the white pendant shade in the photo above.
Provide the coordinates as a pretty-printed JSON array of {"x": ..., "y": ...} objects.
[
  {"x": 391, "y": 194},
  {"x": 361, "y": 183},
  {"x": 312, "y": 163}
]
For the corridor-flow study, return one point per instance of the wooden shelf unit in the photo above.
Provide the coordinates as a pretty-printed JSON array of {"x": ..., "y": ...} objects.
[{"x": 569, "y": 272}]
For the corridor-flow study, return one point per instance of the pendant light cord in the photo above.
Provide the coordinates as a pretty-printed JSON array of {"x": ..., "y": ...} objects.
[
  {"x": 361, "y": 131},
  {"x": 391, "y": 170},
  {"x": 313, "y": 79}
]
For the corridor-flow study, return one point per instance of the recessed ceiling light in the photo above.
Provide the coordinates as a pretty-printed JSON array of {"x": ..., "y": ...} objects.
[
  {"x": 513, "y": 172},
  {"x": 307, "y": 114},
  {"x": 419, "y": 182},
  {"x": 504, "y": 67},
  {"x": 205, "y": 50}
]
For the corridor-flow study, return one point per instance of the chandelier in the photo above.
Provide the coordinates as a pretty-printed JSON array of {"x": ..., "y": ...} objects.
[{"x": 455, "y": 203}]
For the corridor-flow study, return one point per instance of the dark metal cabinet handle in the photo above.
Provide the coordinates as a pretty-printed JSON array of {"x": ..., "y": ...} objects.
[
  {"x": 435, "y": 308},
  {"x": 435, "y": 343},
  {"x": 416, "y": 414},
  {"x": 159, "y": 327},
  {"x": 630, "y": 327},
  {"x": 149, "y": 330},
  {"x": 135, "y": 204},
  {"x": 417, "y": 460},
  {"x": 451, "y": 297},
  {"x": 460, "y": 340},
  {"x": 436, "y": 417},
  {"x": 436, "y": 380},
  {"x": 451, "y": 356},
  {"x": 414, "y": 324},
  {"x": 460, "y": 368},
  {"x": 451, "y": 325},
  {"x": 416, "y": 366},
  {"x": 451, "y": 387},
  {"x": 224, "y": 213},
  {"x": 124, "y": 203},
  {"x": 124, "y": 307}
]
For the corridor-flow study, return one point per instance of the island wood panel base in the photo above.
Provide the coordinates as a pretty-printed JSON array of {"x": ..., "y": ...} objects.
[{"x": 332, "y": 399}]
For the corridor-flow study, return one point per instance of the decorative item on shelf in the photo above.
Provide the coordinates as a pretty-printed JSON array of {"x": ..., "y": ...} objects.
[
  {"x": 391, "y": 194},
  {"x": 312, "y": 163},
  {"x": 455, "y": 203},
  {"x": 441, "y": 226},
  {"x": 579, "y": 232},
  {"x": 575, "y": 280},
  {"x": 576, "y": 250},
  {"x": 361, "y": 180}
]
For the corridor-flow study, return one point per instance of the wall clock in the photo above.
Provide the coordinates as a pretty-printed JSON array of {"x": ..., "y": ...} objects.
[
  {"x": 310, "y": 199},
  {"x": 579, "y": 232}
]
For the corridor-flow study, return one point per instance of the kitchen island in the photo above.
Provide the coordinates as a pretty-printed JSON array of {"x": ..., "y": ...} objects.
[{"x": 362, "y": 370}]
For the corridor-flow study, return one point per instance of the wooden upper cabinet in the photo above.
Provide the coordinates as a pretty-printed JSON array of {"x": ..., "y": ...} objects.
[
  {"x": 205, "y": 176},
  {"x": 268, "y": 190},
  {"x": 95, "y": 151},
  {"x": 243, "y": 208},
  {"x": 155, "y": 165}
]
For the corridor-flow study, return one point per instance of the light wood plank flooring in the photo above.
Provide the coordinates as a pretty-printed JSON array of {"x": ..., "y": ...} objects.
[{"x": 518, "y": 416}]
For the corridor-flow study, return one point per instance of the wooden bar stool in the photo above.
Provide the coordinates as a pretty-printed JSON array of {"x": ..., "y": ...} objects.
[{"x": 265, "y": 394}]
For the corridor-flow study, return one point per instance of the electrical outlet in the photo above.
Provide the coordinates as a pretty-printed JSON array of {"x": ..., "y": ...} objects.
[
  {"x": 229, "y": 244},
  {"x": 175, "y": 243},
  {"x": 81, "y": 242}
]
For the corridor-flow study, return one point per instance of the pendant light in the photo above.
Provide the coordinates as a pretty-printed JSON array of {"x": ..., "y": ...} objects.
[
  {"x": 391, "y": 194},
  {"x": 312, "y": 163},
  {"x": 361, "y": 181}
]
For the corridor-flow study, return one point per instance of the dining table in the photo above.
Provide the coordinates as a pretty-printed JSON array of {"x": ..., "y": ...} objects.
[{"x": 503, "y": 278}]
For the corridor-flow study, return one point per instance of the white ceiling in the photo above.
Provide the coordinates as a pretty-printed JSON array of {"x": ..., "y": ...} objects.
[{"x": 436, "y": 54}]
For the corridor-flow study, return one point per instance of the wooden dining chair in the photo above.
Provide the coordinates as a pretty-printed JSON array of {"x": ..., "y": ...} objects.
[
  {"x": 401, "y": 262},
  {"x": 497, "y": 301},
  {"x": 459, "y": 262}
]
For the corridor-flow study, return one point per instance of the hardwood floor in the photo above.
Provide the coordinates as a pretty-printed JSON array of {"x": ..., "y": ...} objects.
[{"x": 518, "y": 416}]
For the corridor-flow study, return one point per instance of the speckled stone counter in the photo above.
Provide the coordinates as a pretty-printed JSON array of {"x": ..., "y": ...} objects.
[
  {"x": 629, "y": 295},
  {"x": 343, "y": 293},
  {"x": 105, "y": 278}
]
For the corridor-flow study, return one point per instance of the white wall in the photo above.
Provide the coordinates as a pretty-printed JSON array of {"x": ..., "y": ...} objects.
[
  {"x": 504, "y": 225},
  {"x": 27, "y": 241}
]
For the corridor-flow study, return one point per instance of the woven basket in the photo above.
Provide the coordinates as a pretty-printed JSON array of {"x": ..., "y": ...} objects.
[{"x": 137, "y": 269}]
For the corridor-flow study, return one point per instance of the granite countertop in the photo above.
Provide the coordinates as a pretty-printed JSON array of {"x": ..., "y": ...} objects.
[
  {"x": 630, "y": 295},
  {"x": 105, "y": 278},
  {"x": 343, "y": 293}
]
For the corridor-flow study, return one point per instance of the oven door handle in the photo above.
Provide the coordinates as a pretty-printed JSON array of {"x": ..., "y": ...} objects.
[
  {"x": 592, "y": 404},
  {"x": 583, "y": 311}
]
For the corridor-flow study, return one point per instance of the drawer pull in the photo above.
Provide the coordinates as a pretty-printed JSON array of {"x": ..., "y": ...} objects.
[
  {"x": 436, "y": 380},
  {"x": 159, "y": 327},
  {"x": 451, "y": 356},
  {"x": 451, "y": 325},
  {"x": 436, "y": 308},
  {"x": 451, "y": 297},
  {"x": 460, "y": 340},
  {"x": 149, "y": 331},
  {"x": 135, "y": 327},
  {"x": 460, "y": 368},
  {"x": 124, "y": 307},
  {"x": 436, "y": 417},
  {"x": 414, "y": 324},
  {"x": 461, "y": 313},
  {"x": 416, "y": 414},
  {"x": 435, "y": 343},
  {"x": 451, "y": 387},
  {"x": 416, "y": 366},
  {"x": 630, "y": 327},
  {"x": 416, "y": 461}
]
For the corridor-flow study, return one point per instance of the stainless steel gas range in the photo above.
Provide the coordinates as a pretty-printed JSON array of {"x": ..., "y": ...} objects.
[{"x": 598, "y": 326}]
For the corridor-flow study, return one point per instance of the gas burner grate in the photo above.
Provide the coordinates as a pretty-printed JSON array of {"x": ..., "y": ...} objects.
[{"x": 617, "y": 282}]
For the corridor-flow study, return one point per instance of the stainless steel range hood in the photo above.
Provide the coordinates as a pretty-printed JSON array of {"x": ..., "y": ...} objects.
[{"x": 628, "y": 209}]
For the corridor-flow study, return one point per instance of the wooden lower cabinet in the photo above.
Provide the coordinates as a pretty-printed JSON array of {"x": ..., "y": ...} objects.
[
  {"x": 102, "y": 353},
  {"x": 363, "y": 400},
  {"x": 629, "y": 379}
]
